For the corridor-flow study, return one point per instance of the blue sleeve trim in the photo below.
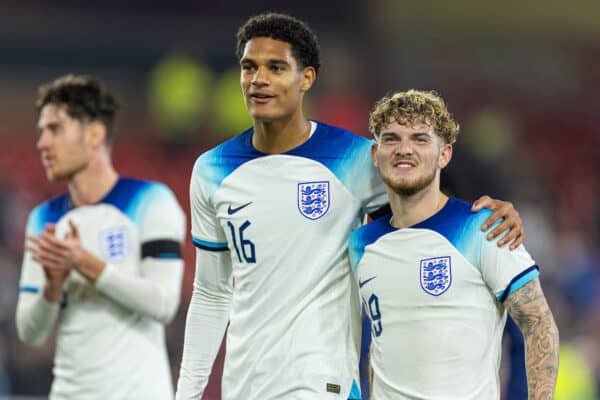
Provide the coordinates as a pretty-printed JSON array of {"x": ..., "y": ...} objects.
[
  {"x": 519, "y": 281},
  {"x": 204, "y": 245},
  {"x": 168, "y": 256},
  {"x": 31, "y": 289},
  {"x": 355, "y": 392}
]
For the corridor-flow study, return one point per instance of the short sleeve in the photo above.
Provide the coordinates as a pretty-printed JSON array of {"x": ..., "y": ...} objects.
[
  {"x": 206, "y": 230},
  {"x": 504, "y": 270},
  {"x": 369, "y": 187},
  {"x": 375, "y": 196},
  {"x": 359, "y": 174},
  {"x": 354, "y": 249}
]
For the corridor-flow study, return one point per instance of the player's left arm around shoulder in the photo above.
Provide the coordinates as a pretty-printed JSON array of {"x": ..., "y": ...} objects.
[{"x": 529, "y": 309}]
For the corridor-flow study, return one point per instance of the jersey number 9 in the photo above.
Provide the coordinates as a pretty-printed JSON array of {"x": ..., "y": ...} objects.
[{"x": 375, "y": 315}]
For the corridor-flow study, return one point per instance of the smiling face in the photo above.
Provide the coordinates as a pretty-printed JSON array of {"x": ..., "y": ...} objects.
[
  {"x": 410, "y": 157},
  {"x": 62, "y": 143},
  {"x": 272, "y": 82}
]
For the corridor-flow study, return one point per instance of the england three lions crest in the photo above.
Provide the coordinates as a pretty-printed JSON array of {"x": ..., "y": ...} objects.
[
  {"x": 114, "y": 244},
  {"x": 313, "y": 199},
  {"x": 436, "y": 275}
]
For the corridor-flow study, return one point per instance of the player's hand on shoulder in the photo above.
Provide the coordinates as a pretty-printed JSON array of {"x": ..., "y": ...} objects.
[{"x": 511, "y": 224}]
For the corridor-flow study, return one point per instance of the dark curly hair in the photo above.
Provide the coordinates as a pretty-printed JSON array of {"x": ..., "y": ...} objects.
[
  {"x": 84, "y": 98},
  {"x": 304, "y": 42}
]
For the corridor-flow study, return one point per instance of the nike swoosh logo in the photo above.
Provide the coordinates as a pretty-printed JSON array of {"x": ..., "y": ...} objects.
[
  {"x": 363, "y": 283},
  {"x": 231, "y": 211}
]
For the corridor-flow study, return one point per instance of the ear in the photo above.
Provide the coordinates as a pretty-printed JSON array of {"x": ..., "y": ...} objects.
[
  {"x": 445, "y": 156},
  {"x": 95, "y": 133},
  {"x": 374, "y": 154},
  {"x": 308, "y": 78}
]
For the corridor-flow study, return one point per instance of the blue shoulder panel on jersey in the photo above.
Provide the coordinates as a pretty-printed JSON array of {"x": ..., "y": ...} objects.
[
  {"x": 48, "y": 212},
  {"x": 133, "y": 196},
  {"x": 216, "y": 164},
  {"x": 365, "y": 235},
  {"x": 125, "y": 193},
  {"x": 342, "y": 152},
  {"x": 460, "y": 226}
]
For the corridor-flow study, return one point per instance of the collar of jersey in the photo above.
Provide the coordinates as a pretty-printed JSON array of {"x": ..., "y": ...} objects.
[
  {"x": 64, "y": 203},
  {"x": 299, "y": 150},
  {"x": 436, "y": 219}
]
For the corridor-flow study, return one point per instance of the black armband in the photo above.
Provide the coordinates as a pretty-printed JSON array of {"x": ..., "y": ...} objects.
[{"x": 161, "y": 249}]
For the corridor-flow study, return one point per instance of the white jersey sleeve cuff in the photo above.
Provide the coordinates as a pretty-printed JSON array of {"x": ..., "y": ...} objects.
[{"x": 35, "y": 317}]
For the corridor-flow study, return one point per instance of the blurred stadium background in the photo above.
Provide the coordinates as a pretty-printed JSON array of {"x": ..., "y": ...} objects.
[{"x": 521, "y": 77}]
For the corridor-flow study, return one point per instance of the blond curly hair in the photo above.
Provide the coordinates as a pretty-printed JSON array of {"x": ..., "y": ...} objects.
[{"x": 413, "y": 106}]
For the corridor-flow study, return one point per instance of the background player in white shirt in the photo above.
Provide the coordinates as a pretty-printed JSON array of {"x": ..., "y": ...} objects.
[
  {"x": 102, "y": 261},
  {"x": 272, "y": 211},
  {"x": 435, "y": 289}
]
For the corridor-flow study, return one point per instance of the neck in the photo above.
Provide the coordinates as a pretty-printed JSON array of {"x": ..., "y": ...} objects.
[
  {"x": 410, "y": 210},
  {"x": 274, "y": 137},
  {"x": 91, "y": 184}
]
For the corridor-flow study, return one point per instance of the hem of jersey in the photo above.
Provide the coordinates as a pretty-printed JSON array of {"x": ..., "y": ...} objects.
[
  {"x": 211, "y": 246},
  {"x": 519, "y": 281}
]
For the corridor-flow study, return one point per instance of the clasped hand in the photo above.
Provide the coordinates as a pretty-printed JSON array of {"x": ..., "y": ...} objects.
[{"x": 56, "y": 256}]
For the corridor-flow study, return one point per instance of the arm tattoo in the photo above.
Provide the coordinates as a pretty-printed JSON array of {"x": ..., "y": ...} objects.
[{"x": 528, "y": 307}]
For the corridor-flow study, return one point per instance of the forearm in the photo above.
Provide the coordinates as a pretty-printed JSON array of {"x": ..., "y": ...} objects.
[
  {"x": 89, "y": 265},
  {"x": 35, "y": 317},
  {"x": 204, "y": 330},
  {"x": 155, "y": 294},
  {"x": 206, "y": 322},
  {"x": 52, "y": 292},
  {"x": 541, "y": 358},
  {"x": 529, "y": 309}
]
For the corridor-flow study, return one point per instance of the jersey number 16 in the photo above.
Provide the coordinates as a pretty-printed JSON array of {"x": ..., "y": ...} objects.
[{"x": 248, "y": 252}]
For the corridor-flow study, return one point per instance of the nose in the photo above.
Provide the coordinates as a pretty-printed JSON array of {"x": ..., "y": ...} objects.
[
  {"x": 403, "y": 148},
  {"x": 260, "y": 77},
  {"x": 44, "y": 140}
]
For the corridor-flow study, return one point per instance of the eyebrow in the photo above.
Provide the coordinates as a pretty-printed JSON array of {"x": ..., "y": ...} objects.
[
  {"x": 271, "y": 61},
  {"x": 278, "y": 61},
  {"x": 49, "y": 125},
  {"x": 394, "y": 134}
]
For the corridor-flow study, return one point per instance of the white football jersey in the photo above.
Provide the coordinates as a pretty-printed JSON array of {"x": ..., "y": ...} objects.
[
  {"x": 285, "y": 220},
  {"x": 434, "y": 294},
  {"x": 105, "y": 350}
]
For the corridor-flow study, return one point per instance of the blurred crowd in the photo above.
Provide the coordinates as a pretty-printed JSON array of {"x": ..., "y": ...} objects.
[{"x": 530, "y": 133}]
